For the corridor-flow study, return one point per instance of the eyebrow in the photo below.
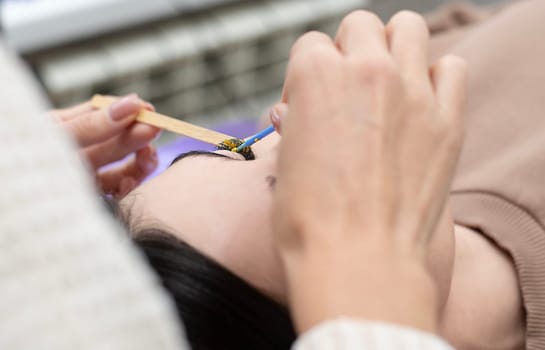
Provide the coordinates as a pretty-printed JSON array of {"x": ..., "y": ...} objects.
[{"x": 199, "y": 153}]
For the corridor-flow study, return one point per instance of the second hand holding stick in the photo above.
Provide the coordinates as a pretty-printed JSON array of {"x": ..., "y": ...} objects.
[{"x": 168, "y": 123}]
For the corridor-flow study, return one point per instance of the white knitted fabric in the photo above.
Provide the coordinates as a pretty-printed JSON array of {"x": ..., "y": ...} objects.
[
  {"x": 347, "y": 334},
  {"x": 69, "y": 277}
]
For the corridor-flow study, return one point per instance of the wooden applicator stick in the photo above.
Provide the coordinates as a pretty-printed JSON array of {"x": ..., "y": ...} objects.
[{"x": 168, "y": 123}]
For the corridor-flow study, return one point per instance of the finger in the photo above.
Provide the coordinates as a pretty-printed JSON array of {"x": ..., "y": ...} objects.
[
  {"x": 100, "y": 125},
  {"x": 66, "y": 114},
  {"x": 302, "y": 46},
  {"x": 362, "y": 33},
  {"x": 449, "y": 78},
  {"x": 134, "y": 138},
  {"x": 409, "y": 37},
  {"x": 126, "y": 177},
  {"x": 309, "y": 40},
  {"x": 277, "y": 113},
  {"x": 284, "y": 96}
]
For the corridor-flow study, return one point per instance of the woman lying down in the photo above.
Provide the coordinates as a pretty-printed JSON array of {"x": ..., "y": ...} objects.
[{"x": 205, "y": 223}]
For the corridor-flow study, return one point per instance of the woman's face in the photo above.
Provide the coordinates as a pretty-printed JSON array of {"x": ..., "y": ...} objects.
[{"x": 220, "y": 204}]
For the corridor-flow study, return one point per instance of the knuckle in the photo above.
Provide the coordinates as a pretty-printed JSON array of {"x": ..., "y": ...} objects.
[
  {"x": 356, "y": 18},
  {"x": 408, "y": 17},
  {"x": 313, "y": 60},
  {"x": 408, "y": 20},
  {"x": 307, "y": 40},
  {"x": 87, "y": 128},
  {"x": 94, "y": 122}
]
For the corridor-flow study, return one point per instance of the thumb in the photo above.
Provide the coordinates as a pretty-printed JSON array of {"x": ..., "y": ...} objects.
[{"x": 277, "y": 113}]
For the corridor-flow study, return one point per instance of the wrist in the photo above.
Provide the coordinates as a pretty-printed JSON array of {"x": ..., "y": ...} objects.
[{"x": 377, "y": 287}]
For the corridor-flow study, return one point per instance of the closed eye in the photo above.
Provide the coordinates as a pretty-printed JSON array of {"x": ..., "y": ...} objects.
[{"x": 199, "y": 153}]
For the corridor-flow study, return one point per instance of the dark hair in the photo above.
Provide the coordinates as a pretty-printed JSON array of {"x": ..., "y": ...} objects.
[{"x": 220, "y": 311}]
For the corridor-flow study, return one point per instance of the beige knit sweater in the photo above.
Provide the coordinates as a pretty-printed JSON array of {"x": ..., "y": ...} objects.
[
  {"x": 69, "y": 277},
  {"x": 500, "y": 185}
]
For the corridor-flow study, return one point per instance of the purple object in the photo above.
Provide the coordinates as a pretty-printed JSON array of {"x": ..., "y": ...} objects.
[{"x": 240, "y": 129}]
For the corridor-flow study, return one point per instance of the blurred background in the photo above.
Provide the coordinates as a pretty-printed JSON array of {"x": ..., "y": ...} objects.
[{"x": 205, "y": 61}]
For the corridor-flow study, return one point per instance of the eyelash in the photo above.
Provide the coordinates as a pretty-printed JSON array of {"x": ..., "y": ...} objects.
[
  {"x": 229, "y": 145},
  {"x": 195, "y": 153}
]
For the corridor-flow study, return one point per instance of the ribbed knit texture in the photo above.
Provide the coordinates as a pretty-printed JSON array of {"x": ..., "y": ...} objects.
[
  {"x": 347, "y": 334},
  {"x": 517, "y": 232}
]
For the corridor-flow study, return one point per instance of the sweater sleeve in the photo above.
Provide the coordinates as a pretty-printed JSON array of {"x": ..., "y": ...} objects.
[
  {"x": 347, "y": 334},
  {"x": 69, "y": 277}
]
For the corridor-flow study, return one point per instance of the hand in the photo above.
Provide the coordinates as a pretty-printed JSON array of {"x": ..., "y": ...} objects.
[
  {"x": 106, "y": 136},
  {"x": 377, "y": 134}
]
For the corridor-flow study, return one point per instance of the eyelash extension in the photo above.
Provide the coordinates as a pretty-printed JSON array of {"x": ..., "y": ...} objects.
[
  {"x": 230, "y": 144},
  {"x": 195, "y": 153}
]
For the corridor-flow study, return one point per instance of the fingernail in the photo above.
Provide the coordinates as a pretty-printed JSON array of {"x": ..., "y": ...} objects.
[
  {"x": 275, "y": 118},
  {"x": 124, "y": 108},
  {"x": 277, "y": 113},
  {"x": 149, "y": 106}
]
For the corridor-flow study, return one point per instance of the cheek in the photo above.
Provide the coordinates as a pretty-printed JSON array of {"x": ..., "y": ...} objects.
[
  {"x": 253, "y": 256},
  {"x": 250, "y": 223},
  {"x": 250, "y": 216},
  {"x": 230, "y": 220}
]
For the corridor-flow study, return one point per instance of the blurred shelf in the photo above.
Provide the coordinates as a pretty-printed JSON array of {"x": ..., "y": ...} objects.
[
  {"x": 191, "y": 66},
  {"x": 39, "y": 24}
]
